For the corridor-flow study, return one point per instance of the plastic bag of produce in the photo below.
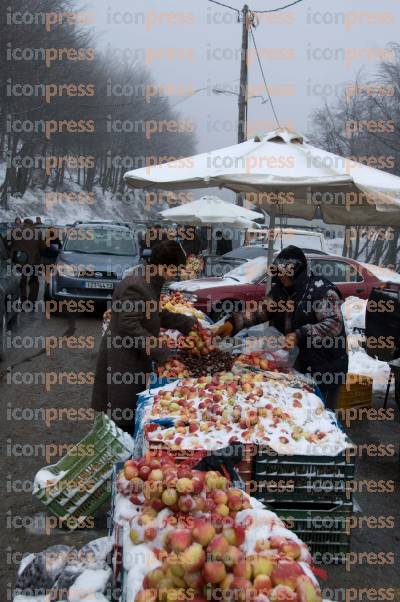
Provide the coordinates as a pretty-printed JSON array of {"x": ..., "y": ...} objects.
[
  {"x": 65, "y": 572},
  {"x": 269, "y": 342}
]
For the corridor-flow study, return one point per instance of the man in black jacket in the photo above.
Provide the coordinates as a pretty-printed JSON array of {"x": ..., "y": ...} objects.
[{"x": 307, "y": 310}]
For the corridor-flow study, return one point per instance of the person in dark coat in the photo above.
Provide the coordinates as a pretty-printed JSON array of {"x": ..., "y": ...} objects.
[
  {"x": 27, "y": 245},
  {"x": 130, "y": 349},
  {"x": 190, "y": 241},
  {"x": 307, "y": 310},
  {"x": 224, "y": 243}
]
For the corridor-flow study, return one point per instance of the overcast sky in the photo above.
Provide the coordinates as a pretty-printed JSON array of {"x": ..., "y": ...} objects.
[{"x": 198, "y": 46}]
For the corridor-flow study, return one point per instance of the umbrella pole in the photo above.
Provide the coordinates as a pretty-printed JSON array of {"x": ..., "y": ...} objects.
[{"x": 271, "y": 240}]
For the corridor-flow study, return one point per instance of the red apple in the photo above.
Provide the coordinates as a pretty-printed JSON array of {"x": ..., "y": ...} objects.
[
  {"x": 131, "y": 470},
  {"x": 193, "y": 558},
  {"x": 261, "y": 565},
  {"x": 154, "y": 577},
  {"x": 144, "y": 472},
  {"x": 150, "y": 533},
  {"x": 136, "y": 485},
  {"x": 184, "y": 472},
  {"x": 307, "y": 591},
  {"x": 286, "y": 573},
  {"x": 262, "y": 584},
  {"x": 186, "y": 503},
  {"x": 214, "y": 571},
  {"x": 282, "y": 593},
  {"x": 217, "y": 547},
  {"x": 184, "y": 485},
  {"x": 169, "y": 496},
  {"x": 220, "y": 497},
  {"x": 155, "y": 475},
  {"x": 242, "y": 569},
  {"x": 242, "y": 589},
  {"x": 291, "y": 549},
  {"x": 203, "y": 531},
  {"x": 194, "y": 580},
  {"x": 232, "y": 556},
  {"x": 235, "y": 499},
  {"x": 179, "y": 540}
]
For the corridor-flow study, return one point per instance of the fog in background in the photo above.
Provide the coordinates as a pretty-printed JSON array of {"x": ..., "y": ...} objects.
[{"x": 290, "y": 42}]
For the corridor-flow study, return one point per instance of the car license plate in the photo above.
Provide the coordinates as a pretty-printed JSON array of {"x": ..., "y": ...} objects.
[{"x": 102, "y": 285}]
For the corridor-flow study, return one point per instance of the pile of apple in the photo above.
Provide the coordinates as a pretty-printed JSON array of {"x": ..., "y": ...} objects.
[
  {"x": 214, "y": 411},
  {"x": 255, "y": 359},
  {"x": 196, "y": 355},
  {"x": 176, "y": 303},
  {"x": 194, "y": 267},
  {"x": 198, "y": 342},
  {"x": 209, "y": 542},
  {"x": 173, "y": 368}
]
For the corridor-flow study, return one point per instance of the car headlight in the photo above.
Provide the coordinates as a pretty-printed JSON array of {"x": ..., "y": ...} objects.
[
  {"x": 64, "y": 269},
  {"x": 191, "y": 298}
]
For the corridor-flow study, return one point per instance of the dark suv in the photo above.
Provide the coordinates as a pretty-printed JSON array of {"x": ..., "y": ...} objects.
[{"x": 92, "y": 260}]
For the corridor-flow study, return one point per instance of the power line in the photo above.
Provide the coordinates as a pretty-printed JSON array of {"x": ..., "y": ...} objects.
[
  {"x": 274, "y": 10},
  {"x": 264, "y": 78},
  {"x": 226, "y": 6}
]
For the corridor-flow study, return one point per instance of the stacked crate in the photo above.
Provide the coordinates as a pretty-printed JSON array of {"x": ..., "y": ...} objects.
[{"x": 313, "y": 496}]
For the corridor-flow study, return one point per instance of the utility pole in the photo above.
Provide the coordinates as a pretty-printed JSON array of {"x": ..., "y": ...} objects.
[
  {"x": 243, "y": 88},
  {"x": 243, "y": 93}
]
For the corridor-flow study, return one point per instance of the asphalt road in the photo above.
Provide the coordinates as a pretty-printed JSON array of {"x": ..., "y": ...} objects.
[{"x": 34, "y": 438}]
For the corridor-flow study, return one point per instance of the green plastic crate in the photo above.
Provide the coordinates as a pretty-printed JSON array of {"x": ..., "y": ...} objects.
[
  {"x": 310, "y": 479},
  {"x": 86, "y": 472},
  {"x": 325, "y": 531}
]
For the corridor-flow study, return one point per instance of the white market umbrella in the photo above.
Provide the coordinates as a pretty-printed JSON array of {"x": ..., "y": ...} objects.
[
  {"x": 291, "y": 176},
  {"x": 212, "y": 211},
  {"x": 282, "y": 161}
]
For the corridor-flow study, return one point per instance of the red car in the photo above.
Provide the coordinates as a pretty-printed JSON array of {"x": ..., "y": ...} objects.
[{"x": 220, "y": 296}]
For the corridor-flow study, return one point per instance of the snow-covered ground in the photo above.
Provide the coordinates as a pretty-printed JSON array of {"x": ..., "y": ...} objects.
[
  {"x": 353, "y": 310},
  {"x": 62, "y": 209}
]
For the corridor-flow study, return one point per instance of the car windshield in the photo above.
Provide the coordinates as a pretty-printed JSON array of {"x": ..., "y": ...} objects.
[
  {"x": 101, "y": 241},
  {"x": 249, "y": 272}
]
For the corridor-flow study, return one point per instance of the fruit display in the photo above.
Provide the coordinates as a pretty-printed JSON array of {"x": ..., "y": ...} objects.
[
  {"x": 256, "y": 359},
  {"x": 196, "y": 354},
  {"x": 194, "y": 267},
  {"x": 173, "y": 368},
  {"x": 217, "y": 361},
  {"x": 190, "y": 535},
  {"x": 288, "y": 378},
  {"x": 211, "y": 412},
  {"x": 176, "y": 303}
]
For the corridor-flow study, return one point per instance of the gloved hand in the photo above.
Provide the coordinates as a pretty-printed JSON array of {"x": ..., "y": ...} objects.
[{"x": 226, "y": 329}]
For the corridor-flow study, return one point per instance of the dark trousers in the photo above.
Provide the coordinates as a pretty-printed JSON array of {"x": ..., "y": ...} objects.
[{"x": 29, "y": 287}]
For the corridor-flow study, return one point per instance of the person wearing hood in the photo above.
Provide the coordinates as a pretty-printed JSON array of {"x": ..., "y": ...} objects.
[
  {"x": 306, "y": 309},
  {"x": 130, "y": 348}
]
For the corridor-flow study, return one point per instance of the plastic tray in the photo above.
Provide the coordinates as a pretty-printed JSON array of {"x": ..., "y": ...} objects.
[{"x": 86, "y": 474}]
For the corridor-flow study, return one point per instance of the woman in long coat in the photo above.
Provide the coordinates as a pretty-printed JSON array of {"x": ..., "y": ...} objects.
[{"x": 129, "y": 350}]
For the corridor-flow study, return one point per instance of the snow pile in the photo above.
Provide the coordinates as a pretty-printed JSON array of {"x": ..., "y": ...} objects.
[{"x": 353, "y": 310}]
